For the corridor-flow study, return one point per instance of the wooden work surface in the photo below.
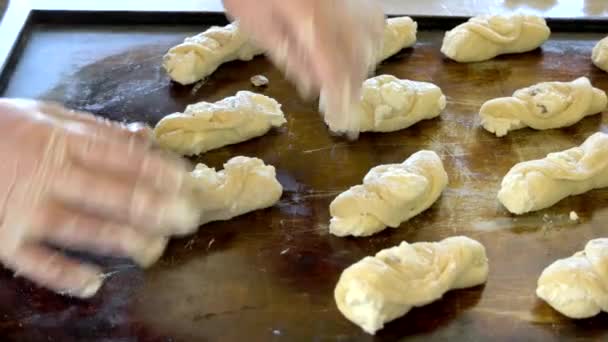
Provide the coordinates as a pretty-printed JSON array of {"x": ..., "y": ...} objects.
[{"x": 270, "y": 275}]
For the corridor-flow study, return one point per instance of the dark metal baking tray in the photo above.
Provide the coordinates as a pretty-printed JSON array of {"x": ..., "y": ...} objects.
[{"x": 270, "y": 275}]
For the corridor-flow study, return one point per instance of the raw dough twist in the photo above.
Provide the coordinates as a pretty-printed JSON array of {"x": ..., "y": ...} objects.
[
  {"x": 390, "y": 104},
  {"x": 578, "y": 286},
  {"x": 199, "y": 56},
  {"x": 539, "y": 184},
  {"x": 545, "y": 105},
  {"x": 246, "y": 184},
  {"x": 382, "y": 288},
  {"x": 399, "y": 33},
  {"x": 206, "y": 126},
  {"x": 390, "y": 195},
  {"x": 600, "y": 54},
  {"x": 485, "y": 37}
]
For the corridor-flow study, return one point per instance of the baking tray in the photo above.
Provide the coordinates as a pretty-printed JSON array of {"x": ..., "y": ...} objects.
[{"x": 269, "y": 275}]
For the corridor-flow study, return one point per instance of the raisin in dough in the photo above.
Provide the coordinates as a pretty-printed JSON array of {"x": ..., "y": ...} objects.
[
  {"x": 245, "y": 184},
  {"x": 206, "y": 126},
  {"x": 577, "y": 286},
  {"x": 390, "y": 195},
  {"x": 199, "y": 56},
  {"x": 600, "y": 54},
  {"x": 539, "y": 184},
  {"x": 389, "y": 104},
  {"x": 545, "y": 105},
  {"x": 485, "y": 37},
  {"x": 399, "y": 33},
  {"x": 382, "y": 288}
]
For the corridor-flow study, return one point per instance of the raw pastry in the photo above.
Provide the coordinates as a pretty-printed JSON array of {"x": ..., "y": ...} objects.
[
  {"x": 487, "y": 36},
  {"x": 382, "y": 288},
  {"x": 390, "y": 104},
  {"x": 206, "y": 126},
  {"x": 600, "y": 54},
  {"x": 545, "y": 105},
  {"x": 578, "y": 286},
  {"x": 539, "y": 184},
  {"x": 199, "y": 56},
  {"x": 399, "y": 33},
  {"x": 390, "y": 195},
  {"x": 245, "y": 184}
]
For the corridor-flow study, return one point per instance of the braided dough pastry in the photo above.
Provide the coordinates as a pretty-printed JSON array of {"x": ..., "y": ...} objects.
[
  {"x": 390, "y": 195},
  {"x": 390, "y": 104},
  {"x": 245, "y": 184},
  {"x": 545, "y": 105},
  {"x": 600, "y": 54},
  {"x": 539, "y": 184},
  {"x": 399, "y": 33},
  {"x": 485, "y": 37},
  {"x": 199, "y": 56},
  {"x": 577, "y": 286},
  {"x": 206, "y": 126},
  {"x": 382, "y": 288}
]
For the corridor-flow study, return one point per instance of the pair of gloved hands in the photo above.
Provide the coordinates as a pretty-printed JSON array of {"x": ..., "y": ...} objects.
[{"x": 80, "y": 182}]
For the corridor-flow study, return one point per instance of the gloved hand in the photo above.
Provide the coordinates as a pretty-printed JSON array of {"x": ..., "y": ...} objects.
[
  {"x": 76, "y": 181},
  {"x": 325, "y": 46}
]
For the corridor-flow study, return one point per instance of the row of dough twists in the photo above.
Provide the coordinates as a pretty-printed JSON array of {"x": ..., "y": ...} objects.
[
  {"x": 479, "y": 39},
  {"x": 387, "y": 104},
  {"x": 199, "y": 56},
  {"x": 379, "y": 289}
]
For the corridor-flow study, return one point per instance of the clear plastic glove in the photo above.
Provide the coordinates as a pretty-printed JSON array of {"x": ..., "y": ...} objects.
[
  {"x": 79, "y": 182},
  {"x": 324, "y": 46}
]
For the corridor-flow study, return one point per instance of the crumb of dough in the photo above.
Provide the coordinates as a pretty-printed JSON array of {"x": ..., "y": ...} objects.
[
  {"x": 259, "y": 81},
  {"x": 574, "y": 216}
]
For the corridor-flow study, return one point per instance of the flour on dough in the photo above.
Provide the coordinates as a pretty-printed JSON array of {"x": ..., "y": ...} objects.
[
  {"x": 206, "y": 126},
  {"x": 389, "y": 104},
  {"x": 485, "y": 37},
  {"x": 382, "y": 288},
  {"x": 199, "y": 56},
  {"x": 599, "y": 55},
  {"x": 577, "y": 286},
  {"x": 545, "y": 105},
  {"x": 539, "y": 184},
  {"x": 244, "y": 185},
  {"x": 399, "y": 33},
  {"x": 390, "y": 194}
]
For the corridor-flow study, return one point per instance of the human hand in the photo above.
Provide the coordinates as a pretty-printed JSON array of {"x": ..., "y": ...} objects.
[
  {"x": 325, "y": 46},
  {"x": 80, "y": 182}
]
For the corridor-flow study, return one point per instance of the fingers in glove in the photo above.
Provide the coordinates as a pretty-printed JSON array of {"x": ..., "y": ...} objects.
[
  {"x": 51, "y": 269},
  {"x": 131, "y": 159},
  {"x": 134, "y": 203},
  {"x": 112, "y": 130},
  {"x": 77, "y": 230}
]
